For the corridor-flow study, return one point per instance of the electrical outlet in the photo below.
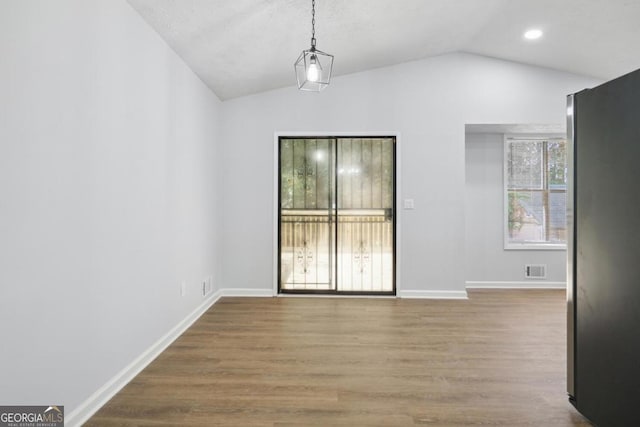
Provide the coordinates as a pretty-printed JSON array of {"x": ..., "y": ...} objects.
[
  {"x": 183, "y": 289},
  {"x": 207, "y": 285}
]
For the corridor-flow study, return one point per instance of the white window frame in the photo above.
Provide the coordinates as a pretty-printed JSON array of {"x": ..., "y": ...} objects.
[{"x": 508, "y": 245}]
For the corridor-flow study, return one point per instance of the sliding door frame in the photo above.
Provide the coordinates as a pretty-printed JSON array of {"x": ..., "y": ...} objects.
[{"x": 396, "y": 202}]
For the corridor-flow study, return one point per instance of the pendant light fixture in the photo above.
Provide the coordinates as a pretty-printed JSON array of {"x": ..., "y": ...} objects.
[{"x": 313, "y": 67}]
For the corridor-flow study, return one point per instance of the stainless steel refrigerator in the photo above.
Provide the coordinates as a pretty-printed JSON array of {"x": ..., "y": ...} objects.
[{"x": 604, "y": 252}]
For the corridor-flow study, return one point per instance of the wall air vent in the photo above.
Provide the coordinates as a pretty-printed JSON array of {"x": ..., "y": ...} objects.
[{"x": 535, "y": 271}]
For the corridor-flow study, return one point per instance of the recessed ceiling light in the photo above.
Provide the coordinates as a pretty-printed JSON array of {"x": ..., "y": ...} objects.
[{"x": 533, "y": 34}]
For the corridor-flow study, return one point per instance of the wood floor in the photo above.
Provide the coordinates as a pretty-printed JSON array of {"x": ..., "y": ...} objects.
[{"x": 495, "y": 359}]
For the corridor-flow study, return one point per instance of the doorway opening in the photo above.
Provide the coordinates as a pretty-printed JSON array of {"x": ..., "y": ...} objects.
[{"x": 336, "y": 215}]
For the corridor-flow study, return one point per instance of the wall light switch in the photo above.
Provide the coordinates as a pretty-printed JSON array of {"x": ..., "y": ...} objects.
[
  {"x": 408, "y": 204},
  {"x": 183, "y": 289}
]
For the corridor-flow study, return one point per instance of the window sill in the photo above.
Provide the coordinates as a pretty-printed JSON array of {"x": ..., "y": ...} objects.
[{"x": 535, "y": 247}]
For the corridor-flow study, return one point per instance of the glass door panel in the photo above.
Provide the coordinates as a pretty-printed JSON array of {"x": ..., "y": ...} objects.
[
  {"x": 306, "y": 236},
  {"x": 365, "y": 238}
]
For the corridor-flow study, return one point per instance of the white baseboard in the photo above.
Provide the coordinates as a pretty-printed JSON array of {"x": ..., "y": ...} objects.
[
  {"x": 231, "y": 292},
  {"x": 82, "y": 413},
  {"x": 433, "y": 294},
  {"x": 515, "y": 285}
]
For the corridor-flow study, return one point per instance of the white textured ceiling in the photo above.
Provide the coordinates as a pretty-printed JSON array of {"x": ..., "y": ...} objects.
[{"x": 240, "y": 47}]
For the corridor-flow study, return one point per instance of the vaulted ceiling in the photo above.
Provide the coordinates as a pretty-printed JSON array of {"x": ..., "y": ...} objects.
[{"x": 241, "y": 47}]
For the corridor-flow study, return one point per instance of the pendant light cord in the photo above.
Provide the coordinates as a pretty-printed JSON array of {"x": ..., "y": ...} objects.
[{"x": 313, "y": 24}]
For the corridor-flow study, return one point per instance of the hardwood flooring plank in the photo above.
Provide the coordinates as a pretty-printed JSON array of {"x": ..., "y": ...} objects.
[{"x": 497, "y": 359}]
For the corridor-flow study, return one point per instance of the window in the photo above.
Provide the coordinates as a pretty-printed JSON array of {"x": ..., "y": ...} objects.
[{"x": 535, "y": 180}]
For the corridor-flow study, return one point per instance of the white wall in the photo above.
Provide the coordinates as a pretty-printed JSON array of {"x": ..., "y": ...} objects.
[
  {"x": 487, "y": 262},
  {"x": 429, "y": 102},
  {"x": 108, "y": 195}
]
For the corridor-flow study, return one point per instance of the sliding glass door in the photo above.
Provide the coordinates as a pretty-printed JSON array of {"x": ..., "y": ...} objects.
[{"x": 336, "y": 216}]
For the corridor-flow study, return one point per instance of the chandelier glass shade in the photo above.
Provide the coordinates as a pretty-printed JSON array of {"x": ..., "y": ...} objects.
[{"x": 313, "y": 67}]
